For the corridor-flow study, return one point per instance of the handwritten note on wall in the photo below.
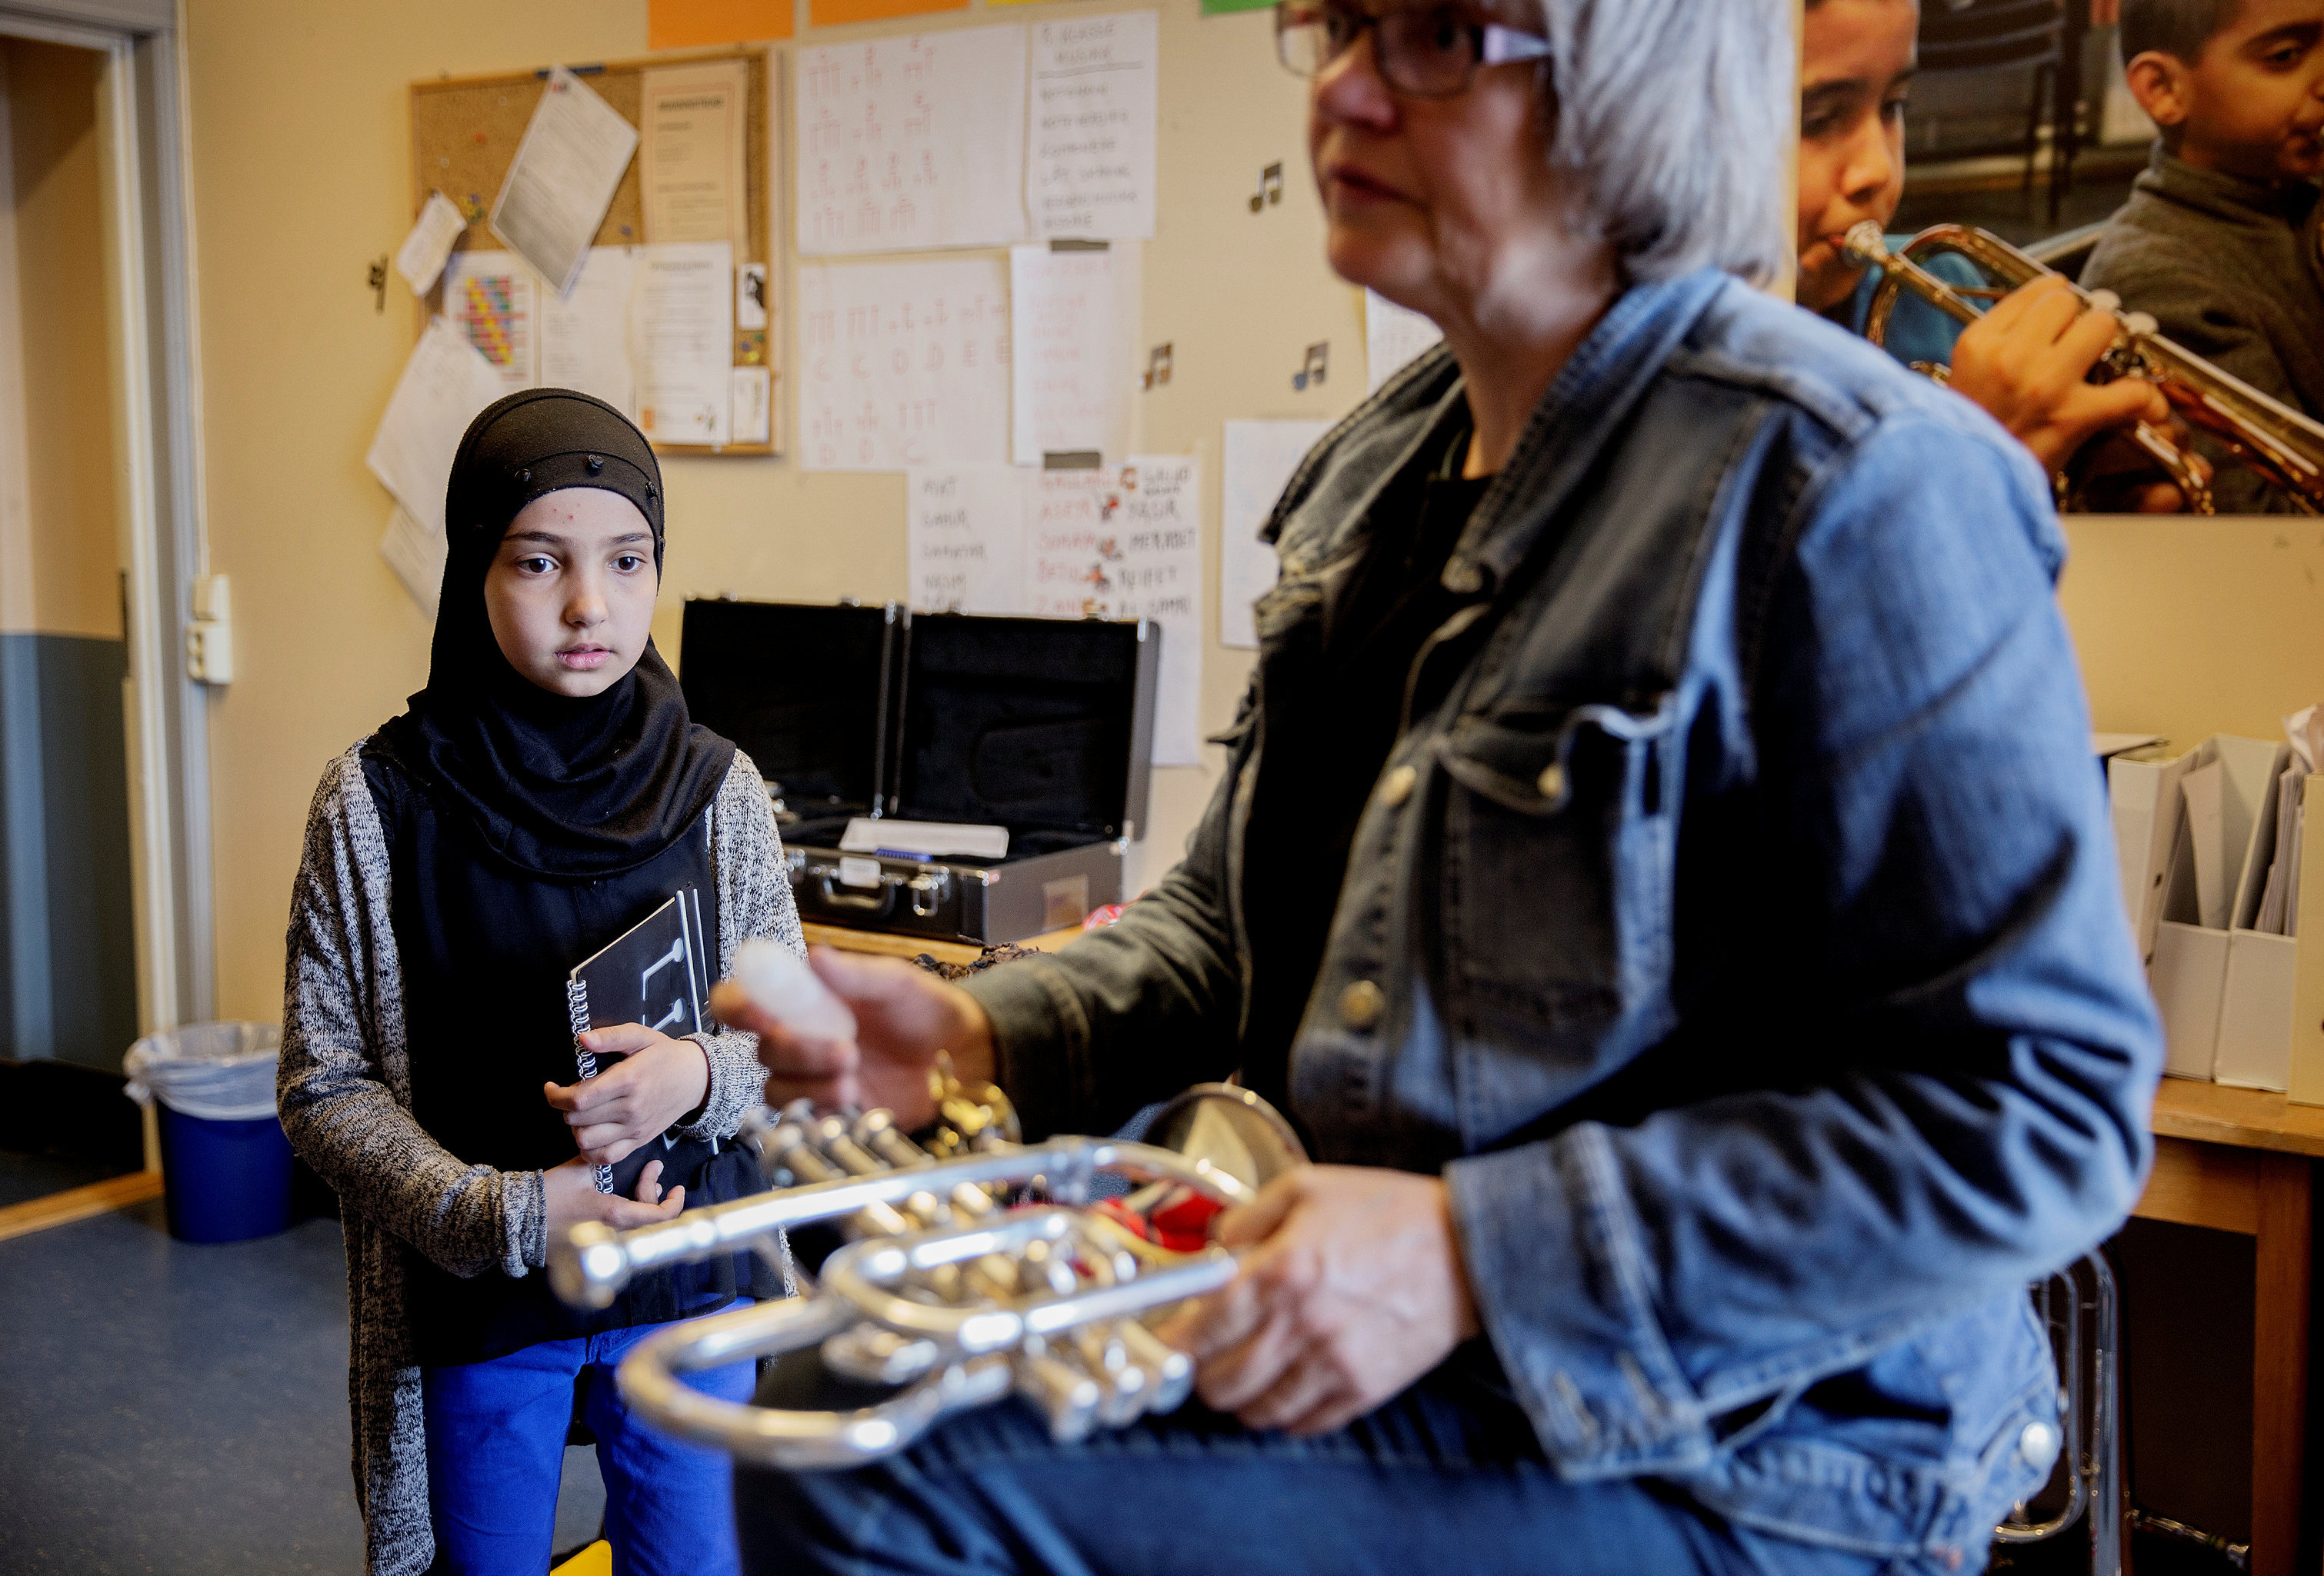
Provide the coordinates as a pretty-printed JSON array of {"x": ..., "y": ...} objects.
[
  {"x": 906, "y": 364},
  {"x": 1119, "y": 542},
  {"x": 1074, "y": 316},
  {"x": 965, "y": 539},
  {"x": 1128, "y": 543},
  {"x": 910, "y": 142},
  {"x": 1090, "y": 172}
]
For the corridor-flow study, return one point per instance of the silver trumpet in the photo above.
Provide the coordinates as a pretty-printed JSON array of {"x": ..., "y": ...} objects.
[
  {"x": 2280, "y": 444},
  {"x": 979, "y": 1267}
]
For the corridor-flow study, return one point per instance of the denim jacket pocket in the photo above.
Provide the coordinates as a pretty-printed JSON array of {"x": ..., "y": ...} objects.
[{"x": 1560, "y": 833}]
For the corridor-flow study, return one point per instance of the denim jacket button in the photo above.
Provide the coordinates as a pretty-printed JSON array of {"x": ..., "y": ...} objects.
[
  {"x": 2038, "y": 1443},
  {"x": 1396, "y": 786},
  {"x": 1360, "y": 1004}
]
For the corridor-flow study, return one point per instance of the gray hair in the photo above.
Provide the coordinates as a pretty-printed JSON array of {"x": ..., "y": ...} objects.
[{"x": 1675, "y": 118}]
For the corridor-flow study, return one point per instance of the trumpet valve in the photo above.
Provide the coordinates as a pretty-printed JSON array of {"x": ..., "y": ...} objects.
[
  {"x": 1049, "y": 1266},
  {"x": 1066, "y": 1397},
  {"x": 1173, "y": 1370},
  {"x": 879, "y": 1357}
]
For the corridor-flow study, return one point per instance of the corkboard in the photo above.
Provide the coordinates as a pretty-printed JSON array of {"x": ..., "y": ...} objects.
[{"x": 464, "y": 131}]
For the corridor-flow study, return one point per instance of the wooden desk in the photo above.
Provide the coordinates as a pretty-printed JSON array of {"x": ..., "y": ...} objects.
[
  {"x": 2240, "y": 1160},
  {"x": 888, "y": 943}
]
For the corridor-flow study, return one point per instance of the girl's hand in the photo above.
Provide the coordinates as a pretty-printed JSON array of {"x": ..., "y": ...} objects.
[
  {"x": 656, "y": 1081},
  {"x": 573, "y": 1197}
]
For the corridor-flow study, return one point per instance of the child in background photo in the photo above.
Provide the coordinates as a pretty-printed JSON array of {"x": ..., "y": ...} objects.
[
  {"x": 545, "y": 792},
  {"x": 2219, "y": 238},
  {"x": 2025, "y": 360}
]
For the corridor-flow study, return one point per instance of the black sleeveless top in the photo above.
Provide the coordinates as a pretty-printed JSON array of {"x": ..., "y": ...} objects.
[{"x": 486, "y": 950}]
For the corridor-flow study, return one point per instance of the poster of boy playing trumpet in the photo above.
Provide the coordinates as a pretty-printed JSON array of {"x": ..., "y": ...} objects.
[{"x": 2181, "y": 202}]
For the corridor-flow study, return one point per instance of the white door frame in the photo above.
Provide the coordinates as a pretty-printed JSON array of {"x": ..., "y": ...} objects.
[{"x": 150, "y": 283}]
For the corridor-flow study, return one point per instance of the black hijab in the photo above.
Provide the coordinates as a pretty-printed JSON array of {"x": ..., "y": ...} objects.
[{"x": 557, "y": 786}]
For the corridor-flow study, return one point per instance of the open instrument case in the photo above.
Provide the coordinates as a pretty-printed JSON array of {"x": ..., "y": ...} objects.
[{"x": 1045, "y": 726}]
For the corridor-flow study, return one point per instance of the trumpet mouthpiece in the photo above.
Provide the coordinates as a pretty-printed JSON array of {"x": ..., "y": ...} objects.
[{"x": 1864, "y": 243}]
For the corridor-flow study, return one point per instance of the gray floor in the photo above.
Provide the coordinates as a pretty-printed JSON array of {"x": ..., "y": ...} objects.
[{"x": 175, "y": 1408}]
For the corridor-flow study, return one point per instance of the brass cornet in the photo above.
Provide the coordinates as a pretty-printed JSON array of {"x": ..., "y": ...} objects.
[
  {"x": 979, "y": 1269},
  {"x": 2283, "y": 445}
]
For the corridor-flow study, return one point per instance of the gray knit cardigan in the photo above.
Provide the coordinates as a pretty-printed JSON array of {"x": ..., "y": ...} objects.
[{"x": 345, "y": 1090}]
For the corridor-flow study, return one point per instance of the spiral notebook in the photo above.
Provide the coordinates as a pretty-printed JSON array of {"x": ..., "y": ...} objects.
[{"x": 654, "y": 973}]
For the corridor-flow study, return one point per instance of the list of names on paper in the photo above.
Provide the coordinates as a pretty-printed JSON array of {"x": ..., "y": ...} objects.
[
  {"x": 1127, "y": 543},
  {"x": 910, "y": 142},
  {"x": 965, "y": 537},
  {"x": 1090, "y": 169},
  {"x": 905, "y": 365}
]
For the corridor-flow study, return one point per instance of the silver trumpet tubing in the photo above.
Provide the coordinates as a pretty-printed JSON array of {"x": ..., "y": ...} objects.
[
  {"x": 2283, "y": 445},
  {"x": 978, "y": 1268}
]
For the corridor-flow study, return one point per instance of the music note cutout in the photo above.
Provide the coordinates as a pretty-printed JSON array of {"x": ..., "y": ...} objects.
[
  {"x": 1157, "y": 366},
  {"x": 1318, "y": 361},
  {"x": 1271, "y": 188}
]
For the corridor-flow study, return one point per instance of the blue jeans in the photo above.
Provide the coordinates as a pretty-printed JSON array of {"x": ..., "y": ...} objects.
[
  {"x": 496, "y": 1448},
  {"x": 1448, "y": 1476}
]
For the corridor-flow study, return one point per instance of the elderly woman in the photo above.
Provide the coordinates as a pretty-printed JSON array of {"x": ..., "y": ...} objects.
[{"x": 1659, "y": 867}]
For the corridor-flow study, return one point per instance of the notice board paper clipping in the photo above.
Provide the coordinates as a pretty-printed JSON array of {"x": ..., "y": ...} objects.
[{"x": 563, "y": 177}]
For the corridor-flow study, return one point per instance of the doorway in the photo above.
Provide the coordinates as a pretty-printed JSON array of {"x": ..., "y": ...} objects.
[
  {"x": 104, "y": 890},
  {"x": 67, "y": 934}
]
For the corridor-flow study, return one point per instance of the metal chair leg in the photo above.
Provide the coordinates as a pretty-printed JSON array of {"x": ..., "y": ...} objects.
[{"x": 2089, "y": 1411}]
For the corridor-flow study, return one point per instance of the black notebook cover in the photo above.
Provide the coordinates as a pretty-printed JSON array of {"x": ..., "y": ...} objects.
[{"x": 655, "y": 974}]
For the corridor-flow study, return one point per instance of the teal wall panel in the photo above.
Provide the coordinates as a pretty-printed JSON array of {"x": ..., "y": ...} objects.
[{"x": 67, "y": 938}]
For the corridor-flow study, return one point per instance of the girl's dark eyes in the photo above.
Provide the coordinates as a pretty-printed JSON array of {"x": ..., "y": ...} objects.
[
  {"x": 536, "y": 566},
  {"x": 628, "y": 563}
]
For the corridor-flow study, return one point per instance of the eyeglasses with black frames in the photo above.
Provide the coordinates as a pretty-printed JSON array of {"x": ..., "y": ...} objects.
[{"x": 1423, "y": 52}]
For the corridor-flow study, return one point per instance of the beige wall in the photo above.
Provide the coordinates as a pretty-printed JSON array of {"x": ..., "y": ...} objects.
[
  {"x": 2190, "y": 627},
  {"x": 59, "y": 553},
  {"x": 300, "y": 133}
]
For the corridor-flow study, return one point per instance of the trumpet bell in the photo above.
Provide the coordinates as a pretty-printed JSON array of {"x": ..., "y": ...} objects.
[{"x": 1231, "y": 1128}]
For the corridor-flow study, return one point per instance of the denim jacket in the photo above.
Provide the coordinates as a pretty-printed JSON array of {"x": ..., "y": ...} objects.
[{"x": 1739, "y": 936}]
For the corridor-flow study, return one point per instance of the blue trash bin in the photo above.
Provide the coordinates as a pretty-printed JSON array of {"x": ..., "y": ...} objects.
[
  {"x": 223, "y": 1181},
  {"x": 226, "y": 1166}
]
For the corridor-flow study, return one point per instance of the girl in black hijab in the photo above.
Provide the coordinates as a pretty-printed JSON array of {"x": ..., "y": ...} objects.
[{"x": 545, "y": 792}]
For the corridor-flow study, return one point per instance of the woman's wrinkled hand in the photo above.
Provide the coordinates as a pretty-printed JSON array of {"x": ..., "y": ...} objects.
[
  {"x": 656, "y": 1081},
  {"x": 903, "y": 1016},
  {"x": 1352, "y": 1287},
  {"x": 2025, "y": 363},
  {"x": 571, "y": 1190}
]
